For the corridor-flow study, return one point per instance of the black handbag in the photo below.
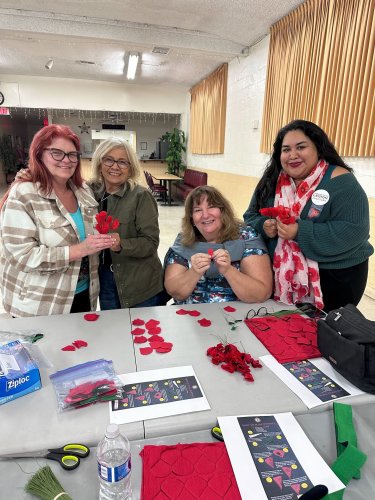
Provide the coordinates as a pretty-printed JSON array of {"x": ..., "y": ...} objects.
[{"x": 347, "y": 340}]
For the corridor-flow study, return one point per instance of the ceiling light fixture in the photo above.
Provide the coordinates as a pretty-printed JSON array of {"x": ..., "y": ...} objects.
[
  {"x": 49, "y": 64},
  {"x": 132, "y": 65}
]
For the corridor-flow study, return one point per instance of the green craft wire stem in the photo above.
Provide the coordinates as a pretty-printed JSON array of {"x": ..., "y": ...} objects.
[{"x": 45, "y": 485}]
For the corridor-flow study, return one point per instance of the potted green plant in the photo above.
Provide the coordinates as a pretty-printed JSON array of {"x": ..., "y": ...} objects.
[
  {"x": 176, "y": 140},
  {"x": 8, "y": 158}
]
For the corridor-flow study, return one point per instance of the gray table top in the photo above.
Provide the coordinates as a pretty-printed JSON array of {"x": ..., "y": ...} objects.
[{"x": 83, "y": 483}]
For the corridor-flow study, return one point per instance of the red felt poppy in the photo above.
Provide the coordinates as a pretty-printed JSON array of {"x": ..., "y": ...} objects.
[
  {"x": 68, "y": 348},
  {"x": 233, "y": 360},
  {"x": 105, "y": 223},
  {"x": 91, "y": 316},
  {"x": 230, "y": 309},
  {"x": 138, "y": 322},
  {"x": 138, "y": 331},
  {"x": 210, "y": 252},
  {"x": 155, "y": 338},
  {"x": 140, "y": 339},
  {"x": 204, "y": 322},
  {"x": 152, "y": 323},
  {"x": 146, "y": 350}
]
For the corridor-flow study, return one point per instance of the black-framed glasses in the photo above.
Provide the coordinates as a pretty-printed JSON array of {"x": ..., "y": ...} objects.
[
  {"x": 252, "y": 313},
  {"x": 109, "y": 162},
  {"x": 59, "y": 155}
]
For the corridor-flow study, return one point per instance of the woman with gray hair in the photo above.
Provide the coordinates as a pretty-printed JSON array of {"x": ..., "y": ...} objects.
[{"x": 130, "y": 274}]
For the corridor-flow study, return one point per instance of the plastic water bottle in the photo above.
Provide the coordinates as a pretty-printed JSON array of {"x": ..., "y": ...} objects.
[{"x": 114, "y": 465}]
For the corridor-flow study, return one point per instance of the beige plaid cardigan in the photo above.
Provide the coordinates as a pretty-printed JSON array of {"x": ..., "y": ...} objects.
[{"x": 36, "y": 231}]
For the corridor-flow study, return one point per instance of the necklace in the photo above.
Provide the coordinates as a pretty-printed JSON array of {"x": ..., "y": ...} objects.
[{"x": 103, "y": 198}]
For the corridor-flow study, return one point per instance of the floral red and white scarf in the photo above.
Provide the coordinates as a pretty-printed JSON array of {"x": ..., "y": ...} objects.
[{"x": 296, "y": 277}]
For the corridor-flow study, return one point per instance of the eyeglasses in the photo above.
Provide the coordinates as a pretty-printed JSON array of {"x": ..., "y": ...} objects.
[
  {"x": 59, "y": 155},
  {"x": 109, "y": 162},
  {"x": 262, "y": 311}
]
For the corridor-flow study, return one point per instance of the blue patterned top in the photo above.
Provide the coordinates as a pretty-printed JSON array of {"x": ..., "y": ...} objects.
[{"x": 216, "y": 289}]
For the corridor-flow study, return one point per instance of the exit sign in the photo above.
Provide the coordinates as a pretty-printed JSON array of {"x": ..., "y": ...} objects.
[{"x": 4, "y": 111}]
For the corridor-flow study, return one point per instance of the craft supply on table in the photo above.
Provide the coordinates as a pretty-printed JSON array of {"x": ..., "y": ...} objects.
[
  {"x": 197, "y": 470},
  {"x": 114, "y": 465},
  {"x": 45, "y": 485},
  {"x": 232, "y": 360},
  {"x": 86, "y": 384},
  {"x": 68, "y": 456}
]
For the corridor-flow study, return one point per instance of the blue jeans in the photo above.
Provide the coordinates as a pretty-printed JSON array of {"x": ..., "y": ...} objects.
[{"x": 108, "y": 296}]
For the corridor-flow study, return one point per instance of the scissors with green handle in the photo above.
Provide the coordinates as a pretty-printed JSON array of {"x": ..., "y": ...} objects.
[{"x": 67, "y": 456}]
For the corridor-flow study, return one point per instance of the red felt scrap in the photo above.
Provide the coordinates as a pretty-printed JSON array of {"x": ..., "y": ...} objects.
[
  {"x": 194, "y": 313},
  {"x": 91, "y": 316},
  {"x": 68, "y": 348},
  {"x": 79, "y": 343},
  {"x": 188, "y": 471},
  {"x": 182, "y": 312},
  {"x": 155, "y": 330},
  {"x": 288, "y": 338},
  {"x": 140, "y": 339},
  {"x": 152, "y": 323},
  {"x": 138, "y": 322},
  {"x": 204, "y": 322},
  {"x": 210, "y": 252},
  {"x": 155, "y": 338},
  {"x": 146, "y": 350},
  {"x": 230, "y": 309},
  {"x": 138, "y": 331}
]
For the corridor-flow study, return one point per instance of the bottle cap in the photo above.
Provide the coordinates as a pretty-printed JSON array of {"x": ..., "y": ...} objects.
[{"x": 112, "y": 431}]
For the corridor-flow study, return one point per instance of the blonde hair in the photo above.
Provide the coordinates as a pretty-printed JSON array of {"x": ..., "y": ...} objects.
[
  {"x": 105, "y": 148},
  {"x": 230, "y": 224}
]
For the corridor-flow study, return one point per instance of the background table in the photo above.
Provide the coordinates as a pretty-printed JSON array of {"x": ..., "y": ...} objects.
[
  {"x": 83, "y": 483},
  {"x": 168, "y": 178},
  {"x": 32, "y": 422}
]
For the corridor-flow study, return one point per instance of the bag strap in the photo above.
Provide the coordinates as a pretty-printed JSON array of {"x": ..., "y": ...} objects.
[{"x": 350, "y": 458}]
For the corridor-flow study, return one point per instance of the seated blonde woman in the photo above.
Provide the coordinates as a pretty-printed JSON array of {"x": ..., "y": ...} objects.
[{"x": 216, "y": 258}]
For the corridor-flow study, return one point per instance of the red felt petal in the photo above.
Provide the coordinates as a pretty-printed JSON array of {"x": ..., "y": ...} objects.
[
  {"x": 210, "y": 252},
  {"x": 204, "y": 322},
  {"x": 163, "y": 350},
  {"x": 138, "y": 331},
  {"x": 79, "y": 343},
  {"x": 194, "y": 313},
  {"x": 182, "y": 312},
  {"x": 91, "y": 316},
  {"x": 68, "y": 348},
  {"x": 155, "y": 338},
  {"x": 140, "y": 340},
  {"x": 230, "y": 309},
  {"x": 138, "y": 322},
  {"x": 146, "y": 350},
  {"x": 155, "y": 330},
  {"x": 155, "y": 345},
  {"x": 152, "y": 323}
]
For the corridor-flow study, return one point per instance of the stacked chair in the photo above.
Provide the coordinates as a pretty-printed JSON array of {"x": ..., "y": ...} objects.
[{"x": 159, "y": 191}]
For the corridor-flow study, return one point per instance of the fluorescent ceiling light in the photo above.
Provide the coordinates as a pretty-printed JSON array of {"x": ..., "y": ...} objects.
[{"x": 132, "y": 66}]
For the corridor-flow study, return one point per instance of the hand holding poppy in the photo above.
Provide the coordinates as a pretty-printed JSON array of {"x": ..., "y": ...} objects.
[
  {"x": 287, "y": 231},
  {"x": 222, "y": 260},
  {"x": 200, "y": 263}
]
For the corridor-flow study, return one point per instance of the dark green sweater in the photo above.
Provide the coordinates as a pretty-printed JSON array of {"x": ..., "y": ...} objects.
[{"x": 338, "y": 237}]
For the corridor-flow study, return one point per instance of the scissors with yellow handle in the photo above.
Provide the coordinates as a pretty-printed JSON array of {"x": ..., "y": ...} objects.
[{"x": 67, "y": 456}]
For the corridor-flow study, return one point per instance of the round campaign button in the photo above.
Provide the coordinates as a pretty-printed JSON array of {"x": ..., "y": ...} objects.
[{"x": 320, "y": 197}]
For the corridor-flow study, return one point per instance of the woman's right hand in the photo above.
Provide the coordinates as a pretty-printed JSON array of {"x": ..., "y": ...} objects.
[
  {"x": 270, "y": 228},
  {"x": 94, "y": 243},
  {"x": 23, "y": 175},
  {"x": 200, "y": 263}
]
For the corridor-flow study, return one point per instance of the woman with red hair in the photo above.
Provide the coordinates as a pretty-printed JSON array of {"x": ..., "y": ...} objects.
[{"x": 49, "y": 255}]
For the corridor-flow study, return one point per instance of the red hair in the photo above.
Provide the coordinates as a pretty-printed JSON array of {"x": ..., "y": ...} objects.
[
  {"x": 38, "y": 171},
  {"x": 42, "y": 140}
]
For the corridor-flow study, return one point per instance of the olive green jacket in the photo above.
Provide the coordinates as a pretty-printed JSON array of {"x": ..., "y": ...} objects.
[{"x": 137, "y": 267}]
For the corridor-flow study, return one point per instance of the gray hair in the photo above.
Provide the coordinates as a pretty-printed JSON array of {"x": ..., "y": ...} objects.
[{"x": 102, "y": 150}]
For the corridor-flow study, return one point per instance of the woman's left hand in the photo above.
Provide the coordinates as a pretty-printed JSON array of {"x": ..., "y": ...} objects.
[
  {"x": 222, "y": 260},
  {"x": 287, "y": 231},
  {"x": 116, "y": 247}
]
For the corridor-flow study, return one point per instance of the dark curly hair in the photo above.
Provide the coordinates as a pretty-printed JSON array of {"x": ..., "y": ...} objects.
[{"x": 326, "y": 150}]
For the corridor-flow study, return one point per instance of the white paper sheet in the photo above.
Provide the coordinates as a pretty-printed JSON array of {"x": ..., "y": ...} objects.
[
  {"x": 308, "y": 397},
  {"x": 248, "y": 480},
  {"x": 127, "y": 415}
]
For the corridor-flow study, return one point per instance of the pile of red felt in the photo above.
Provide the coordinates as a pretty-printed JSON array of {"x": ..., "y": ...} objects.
[
  {"x": 155, "y": 341},
  {"x": 188, "y": 471},
  {"x": 288, "y": 338},
  {"x": 233, "y": 360}
]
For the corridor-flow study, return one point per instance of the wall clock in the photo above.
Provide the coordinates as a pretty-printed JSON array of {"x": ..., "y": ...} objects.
[{"x": 2, "y": 98}]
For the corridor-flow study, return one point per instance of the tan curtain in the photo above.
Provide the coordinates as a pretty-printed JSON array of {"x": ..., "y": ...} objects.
[
  {"x": 321, "y": 68},
  {"x": 207, "y": 113}
]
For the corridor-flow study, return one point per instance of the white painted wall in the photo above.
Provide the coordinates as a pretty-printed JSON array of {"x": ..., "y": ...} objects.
[{"x": 246, "y": 88}]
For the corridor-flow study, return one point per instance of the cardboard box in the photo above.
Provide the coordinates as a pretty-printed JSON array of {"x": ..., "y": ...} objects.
[{"x": 19, "y": 373}]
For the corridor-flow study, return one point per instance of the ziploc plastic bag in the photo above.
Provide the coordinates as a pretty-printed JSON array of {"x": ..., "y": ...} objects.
[{"x": 86, "y": 384}]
